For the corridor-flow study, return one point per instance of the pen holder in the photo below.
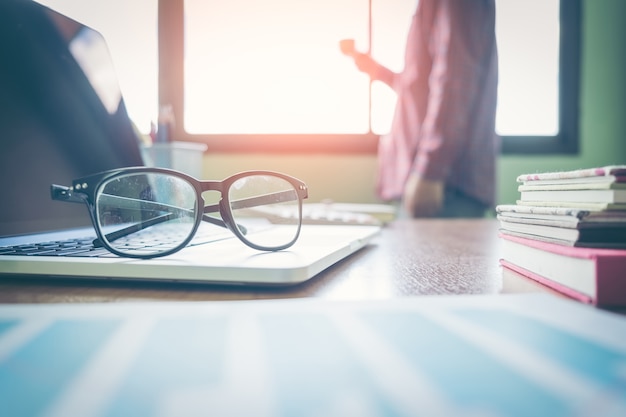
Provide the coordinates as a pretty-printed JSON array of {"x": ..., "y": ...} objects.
[{"x": 182, "y": 156}]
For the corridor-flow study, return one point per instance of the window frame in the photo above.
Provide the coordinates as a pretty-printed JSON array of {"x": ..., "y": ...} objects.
[
  {"x": 171, "y": 91},
  {"x": 567, "y": 140}
]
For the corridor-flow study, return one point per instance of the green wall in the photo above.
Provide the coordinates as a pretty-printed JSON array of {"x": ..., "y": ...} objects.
[{"x": 603, "y": 100}]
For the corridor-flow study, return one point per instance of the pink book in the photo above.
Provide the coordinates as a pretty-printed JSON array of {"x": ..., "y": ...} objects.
[{"x": 591, "y": 275}]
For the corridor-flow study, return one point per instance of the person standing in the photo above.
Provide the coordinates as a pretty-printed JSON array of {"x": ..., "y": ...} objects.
[{"x": 439, "y": 158}]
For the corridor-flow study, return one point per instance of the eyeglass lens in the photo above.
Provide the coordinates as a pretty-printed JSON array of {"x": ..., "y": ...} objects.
[
  {"x": 145, "y": 214},
  {"x": 148, "y": 214},
  {"x": 259, "y": 203}
]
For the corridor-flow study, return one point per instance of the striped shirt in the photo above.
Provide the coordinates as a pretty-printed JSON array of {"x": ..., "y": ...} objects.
[{"x": 444, "y": 122}]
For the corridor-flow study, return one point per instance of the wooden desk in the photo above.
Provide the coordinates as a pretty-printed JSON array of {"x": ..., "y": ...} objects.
[{"x": 411, "y": 257}]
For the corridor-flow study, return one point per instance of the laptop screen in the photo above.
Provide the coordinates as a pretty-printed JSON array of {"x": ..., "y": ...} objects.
[{"x": 62, "y": 116}]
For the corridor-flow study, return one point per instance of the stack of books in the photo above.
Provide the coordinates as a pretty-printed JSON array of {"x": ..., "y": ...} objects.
[{"x": 568, "y": 231}]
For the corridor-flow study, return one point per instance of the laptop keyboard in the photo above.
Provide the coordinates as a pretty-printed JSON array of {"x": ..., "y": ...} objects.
[
  {"x": 71, "y": 247},
  {"x": 83, "y": 247}
]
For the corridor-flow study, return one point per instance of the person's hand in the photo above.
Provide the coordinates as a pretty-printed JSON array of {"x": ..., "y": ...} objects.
[
  {"x": 422, "y": 197},
  {"x": 347, "y": 47},
  {"x": 365, "y": 63}
]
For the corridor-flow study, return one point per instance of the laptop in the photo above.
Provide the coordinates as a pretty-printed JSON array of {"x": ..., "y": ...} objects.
[{"x": 63, "y": 117}]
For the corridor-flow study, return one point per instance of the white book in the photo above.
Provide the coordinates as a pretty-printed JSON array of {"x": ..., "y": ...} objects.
[
  {"x": 586, "y": 205},
  {"x": 582, "y": 185},
  {"x": 607, "y": 179},
  {"x": 569, "y": 236},
  {"x": 606, "y": 173},
  {"x": 561, "y": 216},
  {"x": 576, "y": 196}
]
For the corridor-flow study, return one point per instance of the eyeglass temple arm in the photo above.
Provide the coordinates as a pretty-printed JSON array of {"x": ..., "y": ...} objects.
[
  {"x": 213, "y": 208},
  {"x": 272, "y": 198},
  {"x": 132, "y": 229},
  {"x": 150, "y": 222},
  {"x": 147, "y": 223},
  {"x": 63, "y": 193}
]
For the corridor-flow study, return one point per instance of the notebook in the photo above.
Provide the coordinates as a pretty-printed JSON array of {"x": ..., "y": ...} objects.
[{"x": 63, "y": 118}]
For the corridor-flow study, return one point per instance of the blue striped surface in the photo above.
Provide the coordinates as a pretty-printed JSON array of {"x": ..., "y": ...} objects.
[{"x": 312, "y": 368}]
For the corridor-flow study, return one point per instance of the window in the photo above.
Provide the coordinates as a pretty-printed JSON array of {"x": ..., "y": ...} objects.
[
  {"x": 520, "y": 84},
  {"x": 538, "y": 105},
  {"x": 267, "y": 75},
  {"x": 250, "y": 69},
  {"x": 255, "y": 78}
]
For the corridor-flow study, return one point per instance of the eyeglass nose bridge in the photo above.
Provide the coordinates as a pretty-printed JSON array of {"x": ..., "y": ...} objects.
[{"x": 228, "y": 219}]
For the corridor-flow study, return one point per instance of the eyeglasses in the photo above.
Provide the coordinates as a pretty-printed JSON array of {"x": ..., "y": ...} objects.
[{"x": 150, "y": 212}]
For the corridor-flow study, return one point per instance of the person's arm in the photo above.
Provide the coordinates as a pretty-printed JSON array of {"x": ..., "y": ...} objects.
[
  {"x": 378, "y": 72},
  {"x": 366, "y": 64}
]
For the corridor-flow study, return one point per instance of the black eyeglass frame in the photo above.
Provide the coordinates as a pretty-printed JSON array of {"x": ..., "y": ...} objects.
[{"x": 84, "y": 190}]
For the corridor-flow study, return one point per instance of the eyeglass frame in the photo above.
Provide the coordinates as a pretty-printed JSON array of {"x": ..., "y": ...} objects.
[{"x": 84, "y": 191}]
